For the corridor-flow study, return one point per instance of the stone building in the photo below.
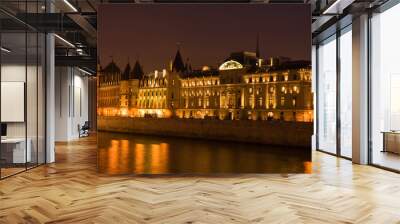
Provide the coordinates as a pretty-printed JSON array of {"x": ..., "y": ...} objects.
[{"x": 242, "y": 87}]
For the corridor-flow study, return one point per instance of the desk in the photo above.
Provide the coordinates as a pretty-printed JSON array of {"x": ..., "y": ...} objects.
[
  {"x": 15, "y": 148},
  {"x": 391, "y": 141}
]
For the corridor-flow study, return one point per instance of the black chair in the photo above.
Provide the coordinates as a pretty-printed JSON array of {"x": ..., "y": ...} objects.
[{"x": 84, "y": 130}]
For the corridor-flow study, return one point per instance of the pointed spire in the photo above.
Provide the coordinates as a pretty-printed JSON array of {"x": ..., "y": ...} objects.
[
  {"x": 178, "y": 65},
  {"x": 258, "y": 46},
  {"x": 137, "y": 71},
  {"x": 111, "y": 68},
  {"x": 126, "y": 73}
]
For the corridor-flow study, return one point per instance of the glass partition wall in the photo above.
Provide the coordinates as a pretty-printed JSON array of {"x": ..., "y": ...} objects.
[
  {"x": 334, "y": 84},
  {"x": 22, "y": 77},
  {"x": 385, "y": 89}
]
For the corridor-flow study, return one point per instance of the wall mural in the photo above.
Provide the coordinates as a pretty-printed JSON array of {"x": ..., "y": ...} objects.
[{"x": 209, "y": 72}]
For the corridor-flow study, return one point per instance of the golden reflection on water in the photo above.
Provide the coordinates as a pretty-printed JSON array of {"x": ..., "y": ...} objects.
[
  {"x": 153, "y": 160},
  {"x": 139, "y": 154},
  {"x": 308, "y": 167},
  {"x": 113, "y": 155},
  {"x": 139, "y": 158}
]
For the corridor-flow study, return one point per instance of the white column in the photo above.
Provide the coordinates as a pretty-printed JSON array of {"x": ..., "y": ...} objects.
[
  {"x": 314, "y": 91},
  {"x": 50, "y": 99},
  {"x": 63, "y": 99},
  {"x": 360, "y": 90}
]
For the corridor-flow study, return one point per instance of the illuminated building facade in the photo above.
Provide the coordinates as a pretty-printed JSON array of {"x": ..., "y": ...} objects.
[{"x": 243, "y": 87}]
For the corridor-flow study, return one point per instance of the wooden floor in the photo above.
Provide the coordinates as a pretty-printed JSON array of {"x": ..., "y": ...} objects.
[{"x": 71, "y": 191}]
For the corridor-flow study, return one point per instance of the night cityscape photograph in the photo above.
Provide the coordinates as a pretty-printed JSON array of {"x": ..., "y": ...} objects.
[
  {"x": 192, "y": 111},
  {"x": 206, "y": 76}
]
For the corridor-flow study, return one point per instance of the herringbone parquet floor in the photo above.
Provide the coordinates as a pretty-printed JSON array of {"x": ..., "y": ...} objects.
[{"x": 71, "y": 191}]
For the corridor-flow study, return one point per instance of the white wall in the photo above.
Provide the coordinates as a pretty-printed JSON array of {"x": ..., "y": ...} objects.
[
  {"x": 33, "y": 126},
  {"x": 71, "y": 102},
  {"x": 61, "y": 103},
  {"x": 16, "y": 73}
]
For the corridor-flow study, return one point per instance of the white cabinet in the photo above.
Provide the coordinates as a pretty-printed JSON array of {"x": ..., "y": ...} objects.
[{"x": 17, "y": 147}]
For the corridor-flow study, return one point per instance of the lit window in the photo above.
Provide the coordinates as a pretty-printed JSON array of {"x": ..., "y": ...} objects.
[
  {"x": 250, "y": 90},
  {"x": 282, "y": 100}
]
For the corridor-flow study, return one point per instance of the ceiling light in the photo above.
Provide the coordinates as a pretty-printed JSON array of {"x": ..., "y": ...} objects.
[
  {"x": 5, "y": 50},
  {"x": 70, "y": 5},
  {"x": 337, "y": 7},
  {"x": 84, "y": 71},
  {"x": 64, "y": 40}
]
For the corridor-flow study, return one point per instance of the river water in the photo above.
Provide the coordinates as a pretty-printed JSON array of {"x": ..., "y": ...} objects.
[{"x": 145, "y": 154}]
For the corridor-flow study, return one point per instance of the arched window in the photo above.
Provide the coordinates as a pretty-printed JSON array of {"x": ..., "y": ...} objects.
[{"x": 230, "y": 65}]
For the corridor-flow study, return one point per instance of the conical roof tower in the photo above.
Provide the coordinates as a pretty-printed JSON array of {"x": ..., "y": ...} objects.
[
  {"x": 178, "y": 65},
  {"x": 137, "y": 71},
  {"x": 112, "y": 68},
  {"x": 126, "y": 73}
]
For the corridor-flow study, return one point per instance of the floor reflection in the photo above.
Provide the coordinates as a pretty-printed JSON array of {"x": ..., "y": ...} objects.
[{"x": 141, "y": 154}]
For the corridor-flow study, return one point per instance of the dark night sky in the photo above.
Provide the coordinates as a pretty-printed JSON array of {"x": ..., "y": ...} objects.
[{"x": 207, "y": 33}]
